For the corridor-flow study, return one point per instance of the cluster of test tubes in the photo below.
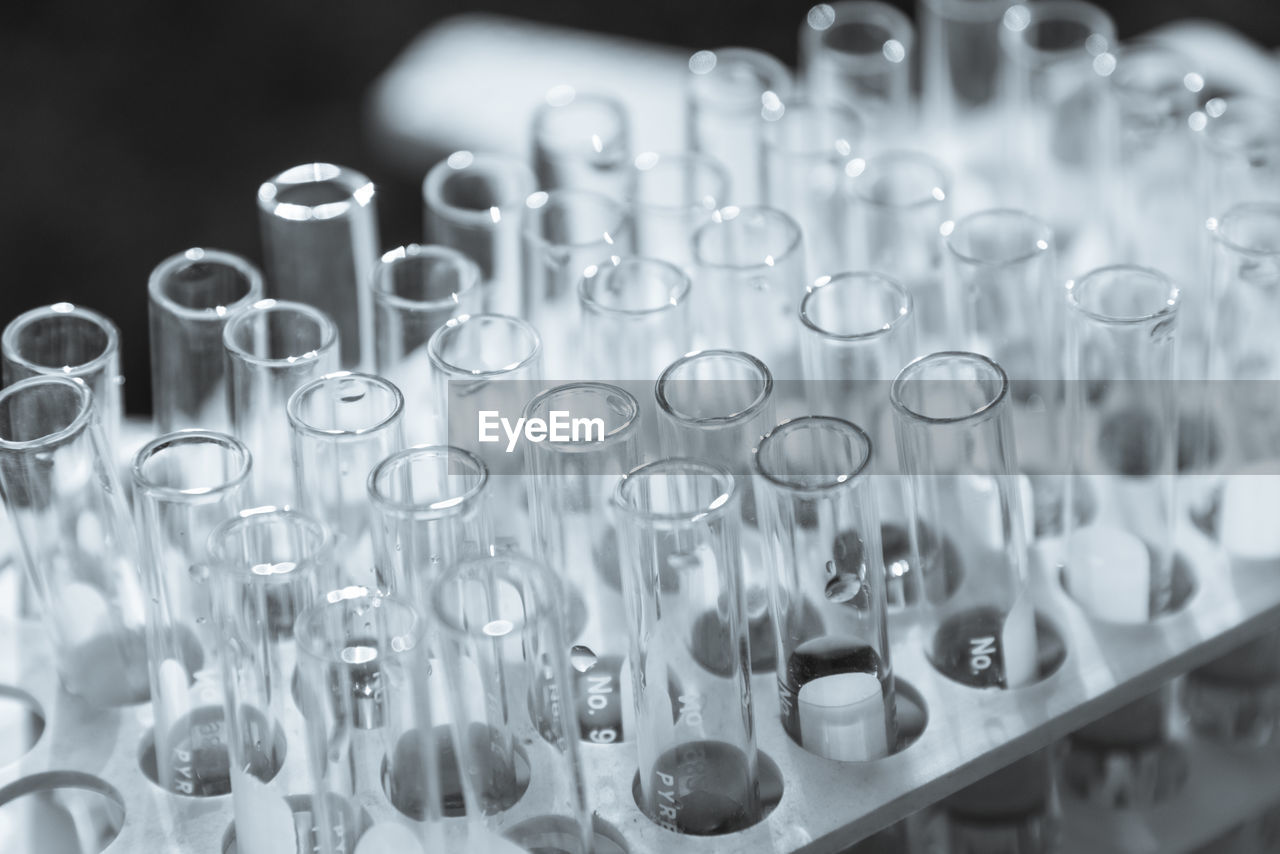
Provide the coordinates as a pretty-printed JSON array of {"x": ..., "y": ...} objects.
[{"x": 854, "y": 350}]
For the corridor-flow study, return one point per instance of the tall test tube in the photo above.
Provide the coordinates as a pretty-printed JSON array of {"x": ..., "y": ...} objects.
[
  {"x": 636, "y": 317},
  {"x": 320, "y": 240},
  {"x": 959, "y": 73},
  {"x": 671, "y": 196},
  {"x": 1238, "y": 152},
  {"x": 191, "y": 296},
  {"x": 582, "y": 141}
]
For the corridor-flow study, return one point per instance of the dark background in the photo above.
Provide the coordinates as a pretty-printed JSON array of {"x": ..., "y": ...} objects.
[{"x": 132, "y": 130}]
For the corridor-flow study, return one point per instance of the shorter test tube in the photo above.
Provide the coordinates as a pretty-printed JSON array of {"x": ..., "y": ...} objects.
[
  {"x": 671, "y": 196},
  {"x": 637, "y": 317},
  {"x": 582, "y": 140}
]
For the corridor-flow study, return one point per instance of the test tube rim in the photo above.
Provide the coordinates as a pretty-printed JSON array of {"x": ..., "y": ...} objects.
[
  {"x": 383, "y": 295},
  {"x": 842, "y": 481},
  {"x": 713, "y": 166},
  {"x": 84, "y": 417},
  {"x": 298, "y": 423},
  {"x": 61, "y": 309},
  {"x": 320, "y": 551},
  {"x": 752, "y": 409},
  {"x": 969, "y": 10},
  {"x": 1043, "y": 228},
  {"x": 438, "y": 175},
  {"x": 776, "y": 75},
  {"x": 891, "y": 18},
  {"x": 806, "y": 103},
  {"x": 618, "y": 434},
  {"x": 1145, "y": 49},
  {"x": 539, "y": 200},
  {"x": 181, "y": 260},
  {"x": 1217, "y": 227},
  {"x": 1239, "y": 110},
  {"x": 311, "y": 639},
  {"x": 600, "y": 99},
  {"x": 360, "y": 190},
  {"x": 439, "y": 362},
  {"x": 1167, "y": 311},
  {"x": 724, "y": 504},
  {"x": 729, "y": 213},
  {"x": 441, "y": 509},
  {"x": 1095, "y": 18},
  {"x": 678, "y": 294},
  {"x": 814, "y": 290},
  {"x": 328, "y": 332},
  {"x": 500, "y": 566},
  {"x": 988, "y": 410},
  {"x": 143, "y": 484},
  {"x": 942, "y": 185}
]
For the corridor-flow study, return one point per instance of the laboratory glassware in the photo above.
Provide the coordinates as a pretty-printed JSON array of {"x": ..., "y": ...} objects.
[
  {"x": 636, "y": 317},
  {"x": 582, "y": 141},
  {"x": 959, "y": 69},
  {"x": 1238, "y": 152},
  {"x": 672, "y": 194}
]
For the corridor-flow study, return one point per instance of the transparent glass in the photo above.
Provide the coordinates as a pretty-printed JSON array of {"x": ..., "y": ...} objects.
[
  {"x": 267, "y": 567},
  {"x": 1122, "y": 415},
  {"x": 273, "y": 348},
  {"x": 898, "y": 202},
  {"x": 807, "y": 149},
  {"x": 69, "y": 341},
  {"x": 474, "y": 203},
  {"x": 320, "y": 240},
  {"x": 821, "y": 535},
  {"x": 74, "y": 537},
  {"x": 956, "y": 448},
  {"x": 860, "y": 53},
  {"x": 959, "y": 65},
  {"x": 504, "y": 650},
  {"x": 672, "y": 195},
  {"x": 1238, "y": 152},
  {"x": 431, "y": 504},
  {"x": 363, "y": 690},
  {"x": 191, "y": 296},
  {"x": 636, "y": 317},
  {"x": 184, "y": 485},
  {"x": 728, "y": 91},
  {"x": 565, "y": 233},
  {"x": 582, "y": 141},
  {"x": 695, "y": 730},
  {"x": 574, "y": 534},
  {"x": 751, "y": 276},
  {"x": 341, "y": 426},
  {"x": 1015, "y": 809}
]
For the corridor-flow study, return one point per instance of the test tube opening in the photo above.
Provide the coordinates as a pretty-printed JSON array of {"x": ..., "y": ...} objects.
[
  {"x": 268, "y": 543},
  {"x": 279, "y": 331},
  {"x": 1252, "y": 228},
  {"x": 193, "y": 463},
  {"x": 575, "y": 218},
  {"x": 1054, "y": 30},
  {"x": 582, "y": 124},
  {"x": 714, "y": 386},
  {"x": 467, "y": 185},
  {"x": 949, "y": 387},
  {"x": 315, "y": 191},
  {"x": 998, "y": 237},
  {"x": 41, "y": 410},
  {"x": 633, "y": 286},
  {"x": 744, "y": 238},
  {"x": 427, "y": 481},
  {"x": 61, "y": 337},
  {"x": 900, "y": 179},
  {"x": 679, "y": 181},
  {"x": 737, "y": 80},
  {"x": 676, "y": 490},
  {"x": 345, "y": 404},
  {"x": 204, "y": 281},
  {"x": 813, "y": 453},
  {"x": 861, "y": 33},
  {"x": 483, "y": 344},
  {"x": 804, "y": 128},
  {"x": 616, "y": 410},
  {"x": 424, "y": 277},
  {"x": 1124, "y": 294},
  {"x": 855, "y": 306}
]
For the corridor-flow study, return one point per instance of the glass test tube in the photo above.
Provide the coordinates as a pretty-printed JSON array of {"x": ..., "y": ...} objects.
[
  {"x": 505, "y": 654},
  {"x": 859, "y": 53},
  {"x": 956, "y": 448},
  {"x": 1061, "y": 138},
  {"x": 565, "y": 232},
  {"x": 267, "y": 567},
  {"x": 272, "y": 348},
  {"x": 729, "y": 91},
  {"x": 695, "y": 735},
  {"x": 574, "y": 535},
  {"x": 191, "y": 296},
  {"x": 714, "y": 405},
  {"x": 341, "y": 426},
  {"x": 857, "y": 332},
  {"x": 184, "y": 485},
  {"x": 431, "y": 504},
  {"x": 582, "y": 141},
  {"x": 822, "y": 536},
  {"x": 1238, "y": 152},
  {"x": 69, "y": 340},
  {"x": 75, "y": 538},
  {"x": 898, "y": 201},
  {"x": 959, "y": 70},
  {"x": 474, "y": 203},
  {"x": 363, "y": 690},
  {"x": 1122, "y": 415},
  {"x": 636, "y": 317},
  {"x": 751, "y": 266},
  {"x": 807, "y": 147},
  {"x": 320, "y": 240},
  {"x": 672, "y": 195}
]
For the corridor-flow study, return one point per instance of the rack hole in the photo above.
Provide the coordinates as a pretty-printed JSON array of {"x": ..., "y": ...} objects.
[
  {"x": 348, "y": 821},
  {"x": 713, "y": 810},
  {"x": 403, "y": 782},
  {"x": 201, "y": 765},
  {"x": 63, "y": 811},
  {"x": 21, "y": 723},
  {"x": 969, "y": 647}
]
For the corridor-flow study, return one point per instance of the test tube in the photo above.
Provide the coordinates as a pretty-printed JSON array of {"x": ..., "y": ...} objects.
[
  {"x": 574, "y": 534},
  {"x": 1015, "y": 809},
  {"x": 582, "y": 140},
  {"x": 267, "y": 566},
  {"x": 959, "y": 69},
  {"x": 69, "y": 340},
  {"x": 751, "y": 266},
  {"x": 807, "y": 148},
  {"x": 672, "y": 195},
  {"x": 565, "y": 232},
  {"x": 504, "y": 651},
  {"x": 1061, "y": 138},
  {"x": 956, "y": 448},
  {"x": 474, "y": 203},
  {"x": 416, "y": 289},
  {"x": 191, "y": 296},
  {"x": 362, "y": 688},
  {"x": 431, "y": 504},
  {"x": 1122, "y": 413},
  {"x": 272, "y": 348},
  {"x": 76, "y": 541},
  {"x": 184, "y": 485},
  {"x": 859, "y": 53},
  {"x": 320, "y": 239},
  {"x": 729, "y": 91},
  {"x": 341, "y": 425},
  {"x": 695, "y": 735},
  {"x": 857, "y": 332},
  {"x": 1238, "y": 152},
  {"x": 636, "y": 317},
  {"x": 822, "y": 536},
  {"x": 714, "y": 405},
  {"x": 898, "y": 201}
]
